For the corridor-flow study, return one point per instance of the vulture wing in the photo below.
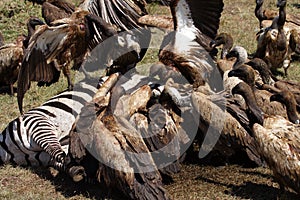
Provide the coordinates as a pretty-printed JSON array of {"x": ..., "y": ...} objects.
[
  {"x": 38, "y": 63},
  {"x": 123, "y": 14}
]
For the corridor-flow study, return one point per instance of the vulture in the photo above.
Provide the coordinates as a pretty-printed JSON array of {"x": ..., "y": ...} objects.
[
  {"x": 246, "y": 73},
  {"x": 11, "y": 55},
  {"x": 287, "y": 98},
  {"x": 52, "y": 48},
  {"x": 55, "y": 9},
  {"x": 275, "y": 45},
  {"x": 225, "y": 40},
  {"x": 265, "y": 17},
  {"x": 224, "y": 132},
  {"x": 277, "y": 142},
  {"x": 263, "y": 14},
  {"x": 128, "y": 140},
  {"x": 124, "y": 15},
  {"x": 187, "y": 48}
]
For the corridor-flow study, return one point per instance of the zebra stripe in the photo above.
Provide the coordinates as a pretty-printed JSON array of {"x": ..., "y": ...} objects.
[{"x": 40, "y": 136}]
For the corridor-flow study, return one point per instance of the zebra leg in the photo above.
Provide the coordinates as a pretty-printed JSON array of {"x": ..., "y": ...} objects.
[{"x": 45, "y": 135}]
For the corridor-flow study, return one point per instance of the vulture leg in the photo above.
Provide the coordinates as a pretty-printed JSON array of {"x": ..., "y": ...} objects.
[{"x": 11, "y": 89}]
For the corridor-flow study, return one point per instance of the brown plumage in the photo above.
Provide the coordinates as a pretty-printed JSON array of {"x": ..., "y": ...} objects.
[
  {"x": 60, "y": 44},
  {"x": 246, "y": 73},
  {"x": 187, "y": 48},
  {"x": 277, "y": 141},
  {"x": 275, "y": 44},
  {"x": 164, "y": 22},
  {"x": 11, "y": 55},
  {"x": 287, "y": 98},
  {"x": 233, "y": 137},
  {"x": 124, "y": 157},
  {"x": 225, "y": 40},
  {"x": 55, "y": 9},
  {"x": 279, "y": 144}
]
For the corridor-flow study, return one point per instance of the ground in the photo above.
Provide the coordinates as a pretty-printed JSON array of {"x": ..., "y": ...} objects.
[{"x": 195, "y": 181}]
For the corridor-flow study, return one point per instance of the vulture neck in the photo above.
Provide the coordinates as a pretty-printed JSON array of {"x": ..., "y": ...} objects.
[
  {"x": 282, "y": 17},
  {"x": 247, "y": 93},
  {"x": 291, "y": 109},
  {"x": 259, "y": 13},
  {"x": 227, "y": 45}
]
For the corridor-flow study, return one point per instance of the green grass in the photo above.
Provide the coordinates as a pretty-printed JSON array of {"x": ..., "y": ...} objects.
[{"x": 195, "y": 181}]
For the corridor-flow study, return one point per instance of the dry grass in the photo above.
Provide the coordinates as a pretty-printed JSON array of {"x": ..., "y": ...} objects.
[{"x": 195, "y": 181}]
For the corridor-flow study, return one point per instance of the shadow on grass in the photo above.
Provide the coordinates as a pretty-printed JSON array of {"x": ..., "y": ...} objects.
[
  {"x": 256, "y": 191},
  {"x": 69, "y": 188},
  {"x": 296, "y": 5},
  {"x": 253, "y": 191}
]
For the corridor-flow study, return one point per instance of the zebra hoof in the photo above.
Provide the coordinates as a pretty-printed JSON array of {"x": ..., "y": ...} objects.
[{"x": 77, "y": 173}]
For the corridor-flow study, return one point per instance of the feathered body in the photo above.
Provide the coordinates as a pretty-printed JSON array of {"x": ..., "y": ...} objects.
[
  {"x": 188, "y": 47},
  {"x": 52, "y": 48},
  {"x": 279, "y": 144},
  {"x": 11, "y": 57},
  {"x": 275, "y": 44}
]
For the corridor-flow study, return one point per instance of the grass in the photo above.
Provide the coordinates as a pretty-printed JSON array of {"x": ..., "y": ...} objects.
[{"x": 195, "y": 181}]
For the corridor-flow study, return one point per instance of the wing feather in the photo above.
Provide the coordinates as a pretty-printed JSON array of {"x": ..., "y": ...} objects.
[
  {"x": 38, "y": 63},
  {"x": 206, "y": 15}
]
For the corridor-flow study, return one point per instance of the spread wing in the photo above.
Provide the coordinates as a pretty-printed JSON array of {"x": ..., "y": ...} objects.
[
  {"x": 38, "y": 63},
  {"x": 204, "y": 14},
  {"x": 123, "y": 14}
]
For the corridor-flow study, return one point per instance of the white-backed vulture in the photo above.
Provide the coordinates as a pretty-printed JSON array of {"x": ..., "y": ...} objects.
[
  {"x": 11, "y": 55},
  {"x": 67, "y": 39},
  {"x": 277, "y": 141},
  {"x": 287, "y": 98},
  {"x": 123, "y": 141},
  {"x": 279, "y": 144},
  {"x": 246, "y": 73},
  {"x": 124, "y": 15},
  {"x": 188, "y": 48},
  {"x": 225, "y": 40},
  {"x": 221, "y": 127},
  {"x": 275, "y": 44},
  {"x": 55, "y": 9}
]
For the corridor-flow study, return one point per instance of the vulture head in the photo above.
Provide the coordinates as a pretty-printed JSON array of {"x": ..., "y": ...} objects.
[
  {"x": 247, "y": 93},
  {"x": 240, "y": 54},
  {"x": 31, "y": 26},
  {"x": 288, "y": 99},
  {"x": 261, "y": 66},
  {"x": 281, "y": 3},
  {"x": 224, "y": 39},
  {"x": 245, "y": 73}
]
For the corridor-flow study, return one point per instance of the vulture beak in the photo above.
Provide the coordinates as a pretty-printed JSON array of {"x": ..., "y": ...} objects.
[
  {"x": 235, "y": 73},
  {"x": 276, "y": 97},
  {"x": 212, "y": 44}
]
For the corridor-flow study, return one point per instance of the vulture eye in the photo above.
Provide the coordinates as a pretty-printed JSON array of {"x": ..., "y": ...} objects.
[{"x": 82, "y": 27}]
